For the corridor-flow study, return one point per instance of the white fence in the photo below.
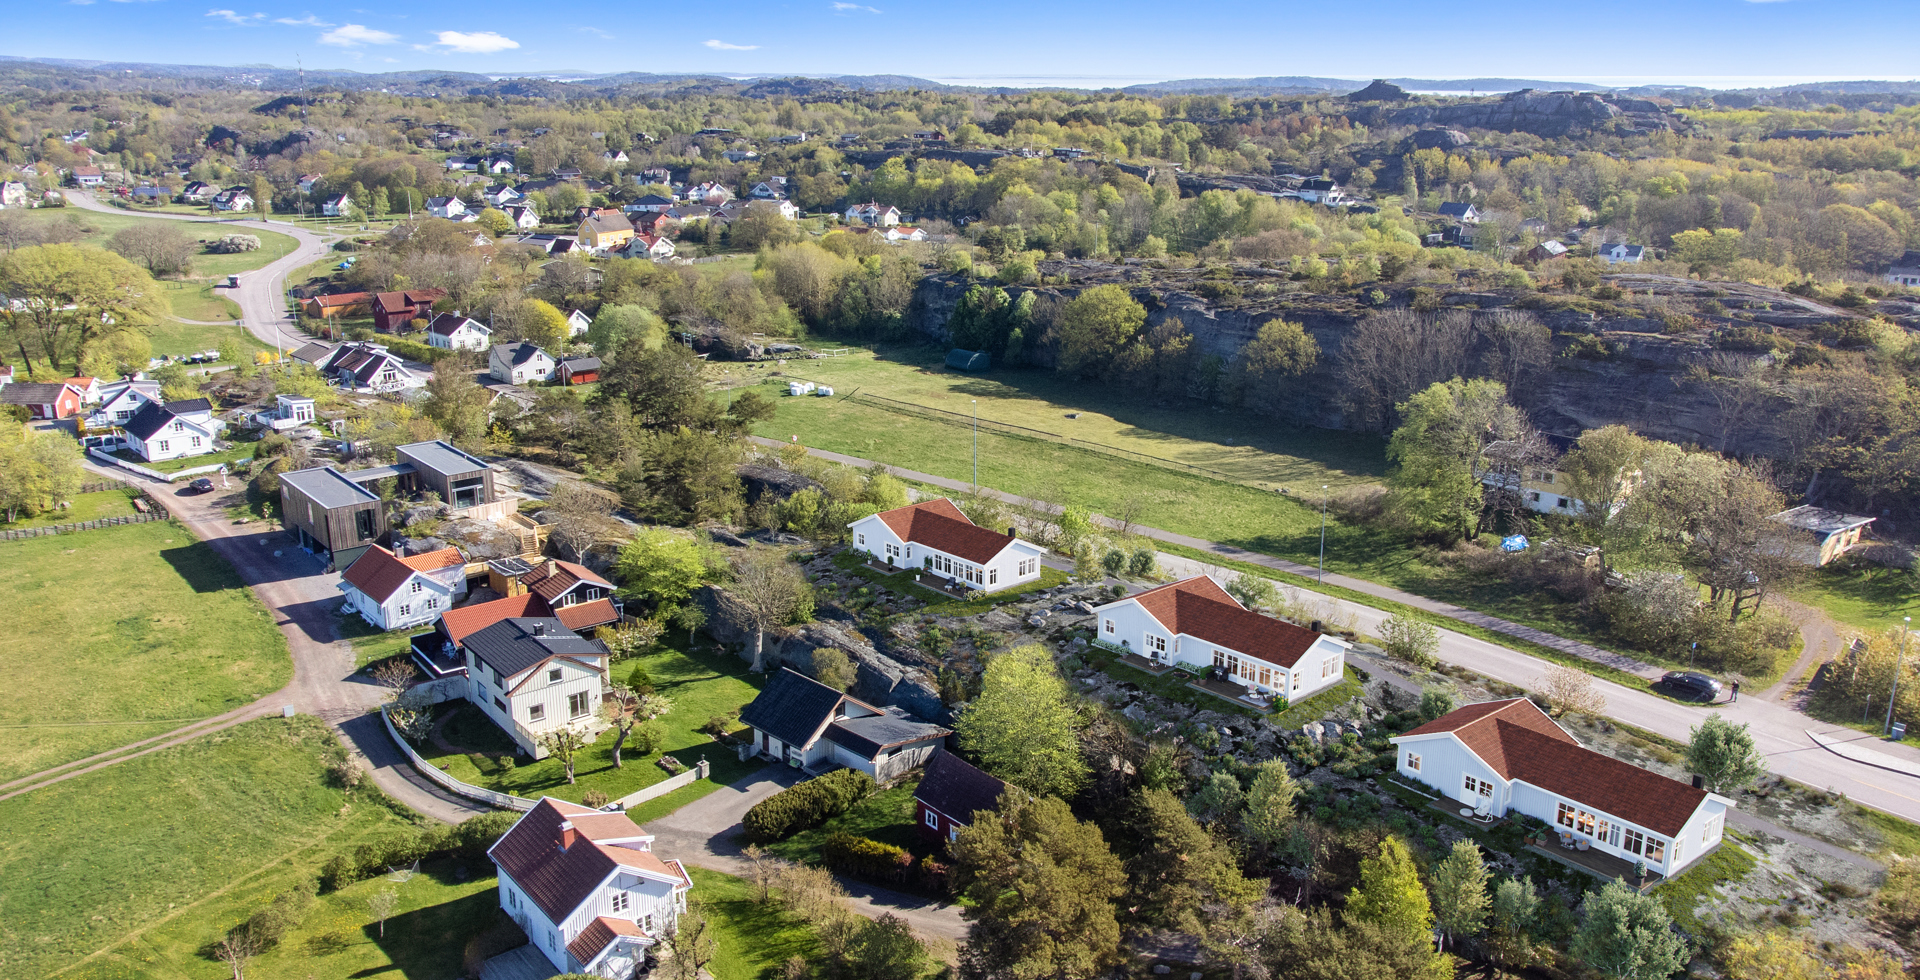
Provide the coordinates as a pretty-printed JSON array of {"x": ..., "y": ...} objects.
[
  {"x": 662, "y": 788},
  {"x": 153, "y": 474},
  {"x": 505, "y": 801}
]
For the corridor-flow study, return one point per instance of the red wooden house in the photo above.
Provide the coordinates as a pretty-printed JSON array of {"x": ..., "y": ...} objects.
[
  {"x": 43, "y": 401},
  {"x": 949, "y": 794},
  {"x": 394, "y": 312},
  {"x": 578, "y": 370}
]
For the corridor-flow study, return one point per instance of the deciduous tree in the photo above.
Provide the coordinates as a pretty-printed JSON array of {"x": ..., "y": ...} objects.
[
  {"x": 1723, "y": 754},
  {"x": 1627, "y": 935},
  {"x": 770, "y": 588},
  {"x": 1460, "y": 892},
  {"x": 1390, "y": 896},
  {"x": 1025, "y": 725}
]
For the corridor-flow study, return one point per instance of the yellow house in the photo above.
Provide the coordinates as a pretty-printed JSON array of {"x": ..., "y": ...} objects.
[{"x": 603, "y": 232}]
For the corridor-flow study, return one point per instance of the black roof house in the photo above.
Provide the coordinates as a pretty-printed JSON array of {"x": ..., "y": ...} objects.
[
  {"x": 512, "y": 646},
  {"x": 796, "y": 709},
  {"x": 957, "y": 789}
]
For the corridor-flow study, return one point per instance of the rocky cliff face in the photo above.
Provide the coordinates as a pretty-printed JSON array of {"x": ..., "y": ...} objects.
[
  {"x": 1645, "y": 382},
  {"x": 1527, "y": 111}
]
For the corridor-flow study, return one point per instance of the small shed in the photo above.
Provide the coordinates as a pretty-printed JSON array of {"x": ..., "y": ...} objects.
[
  {"x": 969, "y": 360},
  {"x": 1821, "y": 535},
  {"x": 579, "y": 370}
]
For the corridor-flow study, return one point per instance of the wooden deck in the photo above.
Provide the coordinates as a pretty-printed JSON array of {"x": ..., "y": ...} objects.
[
  {"x": 1237, "y": 693},
  {"x": 1142, "y": 664},
  {"x": 1603, "y": 866}
]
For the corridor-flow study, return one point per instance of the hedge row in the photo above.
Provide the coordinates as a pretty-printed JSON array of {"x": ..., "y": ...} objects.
[
  {"x": 413, "y": 350},
  {"x": 865, "y": 857},
  {"x": 807, "y": 805},
  {"x": 467, "y": 840}
]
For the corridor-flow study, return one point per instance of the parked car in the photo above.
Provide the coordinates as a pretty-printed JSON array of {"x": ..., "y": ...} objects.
[
  {"x": 202, "y": 485},
  {"x": 1692, "y": 682}
]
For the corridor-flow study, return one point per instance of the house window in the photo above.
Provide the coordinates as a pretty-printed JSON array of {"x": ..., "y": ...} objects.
[
  {"x": 1109, "y": 625},
  {"x": 415, "y": 586},
  {"x": 1413, "y": 762},
  {"x": 577, "y": 705},
  {"x": 622, "y": 901},
  {"x": 1478, "y": 787},
  {"x": 933, "y": 820},
  {"x": 1609, "y": 833},
  {"x": 993, "y": 576},
  {"x": 1534, "y": 497},
  {"x": 1710, "y": 831},
  {"x": 1157, "y": 644},
  {"x": 537, "y": 712},
  {"x": 1328, "y": 668},
  {"x": 1220, "y": 660},
  {"x": 433, "y": 602},
  {"x": 1584, "y": 822},
  {"x": 406, "y": 610},
  {"x": 953, "y": 832},
  {"x": 1265, "y": 677},
  {"x": 196, "y": 442},
  {"x": 1565, "y": 817},
  {"x": 553, "y": 676},
  {"x": 1296, "y": 680},
  {"x": 1029, "y": 566},
  {"x": 1562, "y": 503},
  {"x": 163, "y": 445},
  {"x": 501, "y": 705},
  {"x": 862, "y": 539}
]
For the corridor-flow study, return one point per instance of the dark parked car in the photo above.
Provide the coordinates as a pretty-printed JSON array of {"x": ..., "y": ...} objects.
[
  {"x": 1692, "y": 682},
  {"x": 202, "y": 485}
]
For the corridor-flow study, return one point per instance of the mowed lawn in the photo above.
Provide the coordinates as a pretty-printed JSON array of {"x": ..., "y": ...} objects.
[
  {"x": 147, "y": 861},
  {"x": 1871, "y": 598},
  {"x": 173, "y": 337},
  {"x": 101, "y": 228},
  {"x": 752, "y": 940},
  {"x": 83, "y": 507},
  {"x": 1243, "y": 447},
  {"x": 126, "y": 632},
  {"x": 701, "y": 684},
  {"x": 192, "y": 299}
]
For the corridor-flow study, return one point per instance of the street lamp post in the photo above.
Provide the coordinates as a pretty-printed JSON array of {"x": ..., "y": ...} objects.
[
  {"x": 1906, "y": 626},
  {"x": 1322, "y": 577},
  {"x": 976, "y": 444}
]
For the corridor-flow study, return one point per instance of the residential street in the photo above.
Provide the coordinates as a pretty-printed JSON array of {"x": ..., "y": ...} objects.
[{"x": 1781, "y": 732}]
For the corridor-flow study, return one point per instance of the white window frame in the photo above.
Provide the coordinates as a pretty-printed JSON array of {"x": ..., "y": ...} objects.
[
  {"x": 536, "y": 712},
  {"x": 1413, "y": 761},
  {"x": 553, "y": 675},
  {"x": 933, "y": 819},
  {"x": 621, "y": 901}
]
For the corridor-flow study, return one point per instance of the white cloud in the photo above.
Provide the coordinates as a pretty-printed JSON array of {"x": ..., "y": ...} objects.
[
  {"x": 354, "y": 35},
  {"x": 597, "y": 32},
  {"x": 724, "y": 46},
  {"x": 848, "y": 8},
  {"x": 237, "y": 20},
  {"x": 307, "y": 21},
  {"x": 479, "y": 42}
]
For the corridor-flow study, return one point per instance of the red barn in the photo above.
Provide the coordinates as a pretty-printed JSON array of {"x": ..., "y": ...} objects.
[
  {"x": 578, "y": 370},
  {"x": 949, "y": 794},
  {"x": 394, "y": 312}
]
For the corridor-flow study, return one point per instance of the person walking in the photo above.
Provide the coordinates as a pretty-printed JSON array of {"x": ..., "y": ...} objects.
[{"x": 1736, "y": 693}]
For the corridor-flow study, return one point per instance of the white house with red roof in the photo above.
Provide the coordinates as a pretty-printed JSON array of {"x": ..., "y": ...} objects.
[
  {"x": 393, "y": 592},
  {"x": 587, "y": 887},
  {"x": 1195, "y": 622},
  {"x": 937, "y": 538},
  {"x": 1509, "y": 757}
]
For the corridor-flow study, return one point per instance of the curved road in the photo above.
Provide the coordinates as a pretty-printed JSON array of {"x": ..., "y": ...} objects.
[{"x": 262, "y": 292}]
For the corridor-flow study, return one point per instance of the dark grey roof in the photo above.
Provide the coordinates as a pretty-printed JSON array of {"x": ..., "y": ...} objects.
[
  {"x": 372, "y": 473},
  {"x": 1820, "y": 520},
  {"x": 1454, "y": 209},
  {"x": 440, "y": 457},
  {"x": 327, "y": 487},
  {"x": 148, "y": 421},
  {"x": 582, "y": 363},
  {"x": 30, "y": 394},
  {"x": 957, "y": 789},
  {"x": 511, "y": 645},
  {"x": 448, "y": 324},
  {"x": 185, "y": 405},
  {"x": 791, "y": 707},
  {"x": 521, "y": 352},
  {"x": 869, "y": 735},
  {"x": 312, "y": 353}
]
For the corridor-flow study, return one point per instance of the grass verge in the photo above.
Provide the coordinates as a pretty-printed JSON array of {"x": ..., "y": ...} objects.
[
  {"x": 197, "y": 300},
  {"x": 1683, "y": 893},
  {"x": 84, "y": 507},
  {"x": 886, "y": 816},
  {"x": 753, "y": 939},
  {"x": 152, "y": 629}
]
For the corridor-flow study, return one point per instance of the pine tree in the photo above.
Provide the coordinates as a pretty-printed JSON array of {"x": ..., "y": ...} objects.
[
  {"x": 1628, "y": 935},
  {"x": 1040, "y": 888},
  {"x": 1180, "y": 868}
]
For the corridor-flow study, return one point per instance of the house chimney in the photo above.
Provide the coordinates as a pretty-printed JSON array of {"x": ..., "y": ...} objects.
[
  {"x": 1012, "y": 532},
  {"x": 539, "y": 629},
  {"x": 567, "y": 834},
  {"x": 552, "y": 568},
  {"x": 1699, "y": 781}
]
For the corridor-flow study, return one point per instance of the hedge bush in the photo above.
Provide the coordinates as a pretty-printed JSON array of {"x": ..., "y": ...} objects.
[
  {"x": 806, "y": 806},
  {"x": 413, "y": 350},
  {"x": 466, "y": 840},
  {"x": 865, "y": 857}
]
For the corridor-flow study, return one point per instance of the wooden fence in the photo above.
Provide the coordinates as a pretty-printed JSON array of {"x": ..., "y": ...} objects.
[{"x": 158, "y": 512}]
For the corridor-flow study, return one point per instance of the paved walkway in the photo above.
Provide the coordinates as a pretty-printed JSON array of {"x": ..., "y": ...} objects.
[
  {"x": 1782, "y": 733},
  {"x": 703, "y": 833}
]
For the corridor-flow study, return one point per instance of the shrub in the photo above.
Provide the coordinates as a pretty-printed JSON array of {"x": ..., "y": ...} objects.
[
  {"x": 230, "y": 244},
  {"x": 640, "y": 680},
  {"x": 415, "y": 351},
  {"x": 467, "y": 840},
  {"x": 1588, "y": 347},
  {"x": 648, "y": 736},
  {"x": 805, "y": 806},
  {"x": 596, "y": 799},
  {"x": 716, "y": 726},
  {"x": 866, "y": 858}
]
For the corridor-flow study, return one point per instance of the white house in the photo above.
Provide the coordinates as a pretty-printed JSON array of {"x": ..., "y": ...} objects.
[
  {"x": 455, "y": 163},
  {"x": 1905, "y": 270},
  {"x": 654, "y": 247},
  {"x": 531, "y": 675},
  {"x": 121, "y": 400},
  {"x": 393, "y": 593},
  {"x": 306, "y": 182},
  {"x": 578, "y": 323},
  {"x": 935, "y": 536},
  {"x": 587, "y": 888},
  {"x": 524, "y": 218},
  {"x": 1195, "y": 622},
  {"x": 364, "y": 367},
  {"x": 652, "y": 204},
  {"x": 1461, "y": 212},
  {"x": 447, "y": 207},
  {"x": 451, "y": 331},
  {"x": 780, "y": 206},
  {"x": 1617, "y": 253},
  {"x": 13, "y": 194},
  {"x": 1508, "y": 756},
  {"x": 499, "y": 165},
  {"x": 905, "y": 233},
  {"x": 614, "y": 156},
  {"x": 873, "y": 215},
  {"x": 519, "y": 363},
  {"x": 337, "y": 207},
  {"x": 172, "y": 430},
  {"x": 500, "y": 195},
  {"x": 771, "y": 189},
  {"x": 233, "y": 199},
  {"x": 810, "y": 726},
  {"x": 289, "y": 412}
]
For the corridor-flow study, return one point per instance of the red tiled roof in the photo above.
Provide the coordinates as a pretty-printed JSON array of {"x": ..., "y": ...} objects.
[
  {"x": 459, "y": 623},
  {"x": 559, "y": 880},
  {"x": 552, "y": 578},
  {"x": 599, "y": 934},
  {"x": 939, "y": 525},
  {"x": 582, "y": 616},
  {"x": 1520, "y": 742},
  {"x": 377, "y": 573},
  {"x": 1200, "y": 608},
  {"x": 403, "y": 300},
  {"x": 429, "y": 561},
  {"x": 340, "y": 299}
]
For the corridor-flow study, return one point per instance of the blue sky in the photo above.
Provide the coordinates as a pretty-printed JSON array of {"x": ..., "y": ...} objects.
[{"x": 1719, "y": 42}]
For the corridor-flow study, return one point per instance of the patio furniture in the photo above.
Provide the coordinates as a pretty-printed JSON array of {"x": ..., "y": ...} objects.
[
  {"x": 1483, "y": 812},
  {"x": 1580, "y": 844},
  {"x": 1466, "y": 811},
  {"x": 1566, "y": 839}
]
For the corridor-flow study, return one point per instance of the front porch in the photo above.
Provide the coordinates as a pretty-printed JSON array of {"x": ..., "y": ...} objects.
[
  {"x": 1599, "y": 864},
  {"x": 1453, "y": 808},
  {"x": 1236, "y": 693}
]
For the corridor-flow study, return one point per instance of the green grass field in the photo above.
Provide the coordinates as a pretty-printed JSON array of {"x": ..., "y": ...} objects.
[
  {"x": 86, "y": 507},
  {"x": 129, "y": 871},
  {"x": 1243, "y": 447},
  {"x": 753, "y": 940},
  {"x": 173, "y": 337},
  {"x": 101, "y": 227},
  {"x": 886, "y": 816},
  {"x": 701, "y": 684},
  {"x": 127, "y": 632},
  {"x": 1867, "y": 597},
  {"x": 195, "y": 300},
  {"x": 237, "y": 451}
]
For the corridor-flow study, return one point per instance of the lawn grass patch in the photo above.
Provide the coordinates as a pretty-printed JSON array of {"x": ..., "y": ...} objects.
[
  {"x": 193, "y": 299},
  {"x": 702, "y": 684},
  {"x": 1897, "y": 836},
  {"x": 1683, "y": 893},
  {"x": 83, "y": 507},
  {"x": 886, "y": 816},
  {"x": 138, "y": 857},
  {"x": 100, "y": 228},
  {"x": 1864, "y": 596},
  {"x": 171, "y": 337},
  {"x": 753, "y": 940},
  {"x": 132, "y": 627},
  {"x": 232, "y": 454},
  {"x": 370, "y": 643}
]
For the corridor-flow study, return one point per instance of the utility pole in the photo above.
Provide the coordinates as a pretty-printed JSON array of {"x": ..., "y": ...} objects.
[
  {"x": 976, "y": 444},
  {"x": 1906, "y": 626},
  {"x": 1322, "y": 578}
]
